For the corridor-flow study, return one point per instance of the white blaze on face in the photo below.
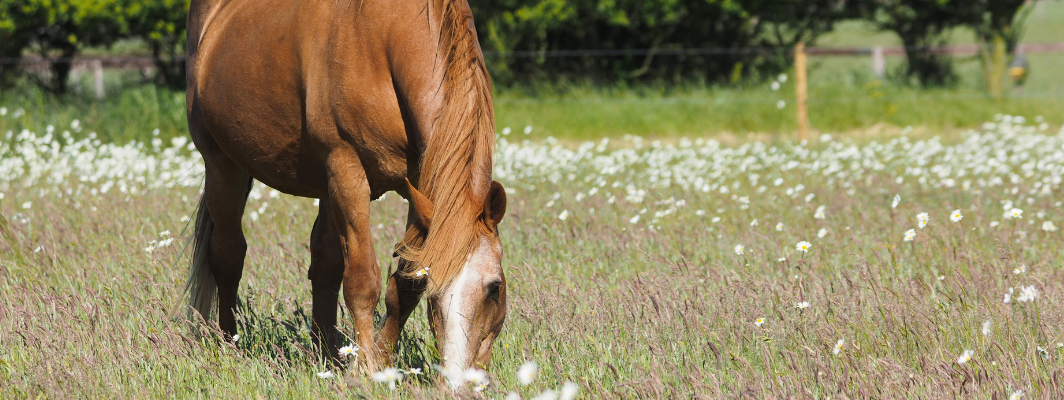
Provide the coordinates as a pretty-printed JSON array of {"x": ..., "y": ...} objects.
[{"x": 460, "y": 302}]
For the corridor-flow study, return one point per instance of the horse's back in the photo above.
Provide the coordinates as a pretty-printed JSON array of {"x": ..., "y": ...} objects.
[{"x": 245, "y": 90}]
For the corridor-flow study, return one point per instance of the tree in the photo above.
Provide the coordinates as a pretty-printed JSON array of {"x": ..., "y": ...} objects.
[
  {"x": 923, "y": 26},
  {"x": 161, "y": 23},
  {"x": 56, "y": 29},
  {"x": 661, "y": 32},
  {"x": 998, "y": 26}
]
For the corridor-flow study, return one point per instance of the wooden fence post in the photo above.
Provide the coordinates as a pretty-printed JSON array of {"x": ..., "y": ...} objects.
[{"x": 800, "y": 88}]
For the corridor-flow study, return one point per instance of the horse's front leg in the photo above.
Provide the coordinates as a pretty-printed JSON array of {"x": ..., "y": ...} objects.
[
  {"x": 401, "y": 299},
  {"x": 349, "y": 196}
]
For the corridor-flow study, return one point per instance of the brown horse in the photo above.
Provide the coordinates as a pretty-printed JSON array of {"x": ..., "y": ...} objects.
[{"x": 344, "y": 100}]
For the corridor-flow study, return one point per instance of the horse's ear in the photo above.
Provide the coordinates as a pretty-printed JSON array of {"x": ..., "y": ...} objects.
[
  {"x": 495, "y": 206},
  {"x": 422, "y": 206}
]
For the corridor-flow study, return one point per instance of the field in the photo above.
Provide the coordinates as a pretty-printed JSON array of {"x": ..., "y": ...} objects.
[{"x": 637, "y": 269}]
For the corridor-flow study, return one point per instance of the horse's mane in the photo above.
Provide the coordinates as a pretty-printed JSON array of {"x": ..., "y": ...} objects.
[{"x": 456, "y": 166}]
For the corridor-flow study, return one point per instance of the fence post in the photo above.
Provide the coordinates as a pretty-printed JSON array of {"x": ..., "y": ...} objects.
[
  {"x": 97, "y": 72},
  {"x": 879, "y": 62},
  {"x": 800, "y": 88}
]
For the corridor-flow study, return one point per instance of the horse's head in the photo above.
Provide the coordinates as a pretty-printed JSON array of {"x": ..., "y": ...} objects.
[{"x": 467, "y": 313}]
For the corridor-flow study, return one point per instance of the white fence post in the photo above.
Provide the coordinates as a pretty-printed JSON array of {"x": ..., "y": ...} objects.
[
  {"x": 879, "y": 63},
  {"x": 97, "y": 72}
]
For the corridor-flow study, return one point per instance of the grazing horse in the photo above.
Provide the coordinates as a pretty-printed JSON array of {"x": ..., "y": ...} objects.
[{"x": 344, "y": 100}]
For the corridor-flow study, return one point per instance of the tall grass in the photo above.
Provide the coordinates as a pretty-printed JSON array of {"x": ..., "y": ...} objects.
[{"x": 659, "y": 306}]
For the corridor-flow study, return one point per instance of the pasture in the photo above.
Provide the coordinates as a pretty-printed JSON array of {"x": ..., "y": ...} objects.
[{"x": 636, "y": 268}]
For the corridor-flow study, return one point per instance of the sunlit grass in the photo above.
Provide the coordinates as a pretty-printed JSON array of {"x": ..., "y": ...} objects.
[{"x": 624, "y": 267}]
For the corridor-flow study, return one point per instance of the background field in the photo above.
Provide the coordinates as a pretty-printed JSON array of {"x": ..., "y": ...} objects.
[{"x": 638, "y": 291}]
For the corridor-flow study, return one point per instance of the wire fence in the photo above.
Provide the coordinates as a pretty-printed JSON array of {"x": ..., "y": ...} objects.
[{"x": 116, "y": 62}]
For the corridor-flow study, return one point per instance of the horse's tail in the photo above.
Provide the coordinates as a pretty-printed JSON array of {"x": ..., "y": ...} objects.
[{"x": 200, "y": 287}]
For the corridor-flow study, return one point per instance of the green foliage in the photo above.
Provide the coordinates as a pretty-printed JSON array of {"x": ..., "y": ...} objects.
[
  {"x": 533, "y": 27},
  {"x": 56, "y": 30},
  {"x": 161, "y": 23}
]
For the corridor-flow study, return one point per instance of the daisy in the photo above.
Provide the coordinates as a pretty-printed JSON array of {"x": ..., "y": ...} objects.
[
  {"x": 965, "y": 356},
  {"x": 819, "y": 214},
  {"x": 838, "y": 346},
  {"x": 350, "y": 350},
  {"x": 1019, "y": 270},
  {"x": 634, "y": 219},
  {"x": 569, "y": 391},
  {"x": 802, "y": 305},
  {"x": 779, "y": 227},
  {"x": 1015, "y": 213},
  {"x": 956, "y": 216},
  {"x": 909, "y": 235},
  {"x": 986, "y": 328},
  {"x": 1048, "y": 226},
  {"x": 422, "y": 272},
  {"x": 389, "y": 376},
  {"x": 1027, "y": 293},
  {"x": 822, "y": 232},
  {"x": 1008, "y": 297},
  {"x": 738, "y": 249},
  {"x": 527, "y": 373},
  {"x": 1017, "y": 395},
  {"x": 894, "y": 203},
  {"x": 564, "y": 215},
  {"x": 325, "y": 375},
  {"x": 781, "y": 259},
  {"x": 803, "y": 246},
  {"x": 922, "y": 219},
  {"x": 758, "y": 322}
]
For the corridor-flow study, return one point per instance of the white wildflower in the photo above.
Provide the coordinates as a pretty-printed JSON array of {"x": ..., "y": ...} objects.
[
  {"x": 896, "y": 201},
  {"x": 389, "y": 376},
  {"x": 779, "y": 227},
  {"x": 1019, "y": 270},
  {"x": 819, "y": 214},
  {"x": 547, "y": 395},
  {"x": 350, "y": 350},
  {"x": 325, "y": 375},
  {"x": 564, "y": 215},
  {"x": 965, "y": 356},
  {"x": 922, "y": 219},
  {"x": 739, "y": 249},
  {"x": 909, "y": 235},
  {"x": 1048, "y": 226},
  {"x": 1014, "y": 213},
  {"x": 801, "y": 305},
  {"x": 527, "y": 373},
  {"x": 634, "y": 219},
  {"x": 803, "y": 246},
  {"x": 986, "y": 328},
  {"x": 1027, "y": 293},
  {"x": 956, "y": 216},
  {"x": 1017, "y": 395},
  {"x": 569, "y": 391},
  {"x": 758, "y": 322},
  {"x": 838, "y": 346},
  {"x": 821, "y": 233}
]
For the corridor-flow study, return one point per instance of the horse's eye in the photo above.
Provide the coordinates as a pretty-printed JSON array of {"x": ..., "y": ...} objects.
[{"x": 493, "y": 289}]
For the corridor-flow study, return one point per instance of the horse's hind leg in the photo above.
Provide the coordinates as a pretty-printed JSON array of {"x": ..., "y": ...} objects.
[
  {"x": 326, "y": 275},
  {"x": 226, "y": 192}
]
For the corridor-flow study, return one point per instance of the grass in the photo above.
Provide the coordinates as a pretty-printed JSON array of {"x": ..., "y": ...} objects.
[{"x": 659, "y": 307}]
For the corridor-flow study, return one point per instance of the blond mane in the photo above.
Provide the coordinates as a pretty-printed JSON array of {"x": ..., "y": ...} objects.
[{"x": 456, "y": 167}]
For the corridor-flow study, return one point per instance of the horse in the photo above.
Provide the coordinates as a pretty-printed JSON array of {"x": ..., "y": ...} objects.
[{"x": 344, "y": 100}]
